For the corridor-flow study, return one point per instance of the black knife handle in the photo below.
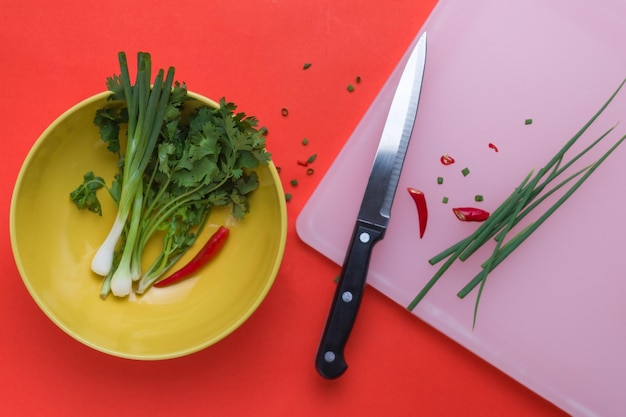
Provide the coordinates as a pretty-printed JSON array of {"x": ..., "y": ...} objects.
[{"x": 329, "y": 360}]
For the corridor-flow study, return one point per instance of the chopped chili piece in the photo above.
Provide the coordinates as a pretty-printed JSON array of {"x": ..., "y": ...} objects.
[
  {"x": 278, "y": 169},
  {"x": 284, "y": 112},
  {"x": 470, "y": 214},
  {"x": 208, "y": 252},
  {"x": 447, "y": 159},
  {"x": 465, "y": 171},
  {"x": 350, "y": 88},
  {"x": 358, "y": 79},
  {"x": 422, "y": 210},
  {"x": 310, "y": 171},
  {"x": 494, "y": 147},
  {"x": 302, "y": 163}
]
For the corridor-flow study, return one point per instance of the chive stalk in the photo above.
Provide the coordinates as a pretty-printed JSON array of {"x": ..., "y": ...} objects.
[{"x": 523, "y": 200}]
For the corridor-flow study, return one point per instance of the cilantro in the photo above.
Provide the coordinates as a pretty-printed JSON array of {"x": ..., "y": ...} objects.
[
  {"x": 84, "y": 196},
  {"x": 191, "y": 159}
]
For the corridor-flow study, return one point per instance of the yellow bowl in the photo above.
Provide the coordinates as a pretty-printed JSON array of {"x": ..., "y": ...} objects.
[{"x": 53, "y": 243}]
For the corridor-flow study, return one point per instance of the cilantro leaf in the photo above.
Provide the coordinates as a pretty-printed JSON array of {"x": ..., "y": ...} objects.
[
  {"x": 116, "y": 188},
  {"x": 114, "y": 85},
  {"x": 84, "y": 196},
  {"x": 108, "y": 122},
  {"x": 246, "y": 185}
]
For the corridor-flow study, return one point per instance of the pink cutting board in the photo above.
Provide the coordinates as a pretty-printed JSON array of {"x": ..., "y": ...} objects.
[{"x": 553, "y": 315}]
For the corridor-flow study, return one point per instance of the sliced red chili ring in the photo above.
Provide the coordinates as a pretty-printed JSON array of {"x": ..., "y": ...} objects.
[{"x": 447, "y": 159}]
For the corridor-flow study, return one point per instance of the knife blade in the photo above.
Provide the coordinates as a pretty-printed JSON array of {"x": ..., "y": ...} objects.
[{"x": 374, "y": 214}]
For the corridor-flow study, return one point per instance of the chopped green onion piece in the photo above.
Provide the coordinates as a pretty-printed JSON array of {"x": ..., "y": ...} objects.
[
  {"x": 288, "y": 197},
  {"x": 445, "y": 200},
  {"x": 465, "y": 172},
  {"x": 305, "y": 141},
  {"x": 312, "y": 158},
  {"x": 439, "y": 180},
  {"x": 528, "y": 121},
  {"x": 350, "y": 88},
  {"x": 478, "y": 197},
  {"x": 294, "y": 182},
  {"x": 307, "y": 65}
]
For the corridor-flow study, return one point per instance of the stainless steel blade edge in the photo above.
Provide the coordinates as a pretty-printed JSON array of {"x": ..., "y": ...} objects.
[{"x": 394, "y": 141}]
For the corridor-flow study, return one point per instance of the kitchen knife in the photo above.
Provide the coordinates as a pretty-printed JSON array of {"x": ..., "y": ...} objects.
[{"x": 373, "y": 216}]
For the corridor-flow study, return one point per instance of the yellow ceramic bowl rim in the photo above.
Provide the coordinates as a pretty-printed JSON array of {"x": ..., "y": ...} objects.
[{"x": 22, "y": 270}]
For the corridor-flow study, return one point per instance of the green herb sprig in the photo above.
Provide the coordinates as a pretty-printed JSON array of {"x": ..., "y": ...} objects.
[
  {"x": 181, "y": 160},
  {"x": 526, "y": 197}
]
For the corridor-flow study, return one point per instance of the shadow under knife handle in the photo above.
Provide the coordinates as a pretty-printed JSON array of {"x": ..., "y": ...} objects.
[{"x": 329, "y": 360}]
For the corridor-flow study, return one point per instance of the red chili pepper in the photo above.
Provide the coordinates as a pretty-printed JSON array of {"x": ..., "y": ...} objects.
[
  {"x": 470, "y": 214},
  {"x": 447, "y": 159},
  {"x": 208, "y": 252},
  {"x": 494, "y": 147},
  {"x": 303, "y": 163},
  {"x": 422, "y": 210}
]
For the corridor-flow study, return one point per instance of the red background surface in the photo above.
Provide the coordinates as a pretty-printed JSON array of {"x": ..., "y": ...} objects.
[{"x": 252, "y": 52}]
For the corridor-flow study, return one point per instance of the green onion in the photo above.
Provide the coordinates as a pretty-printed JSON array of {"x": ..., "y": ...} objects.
[
  {"x": 440, "y": 180},
  {"x": 528, "y": 121},
  {"x": 478, "y": 198},
  {"x": 294, "y": 182},
  {"x": 444, "y": 200},
  {"x": 288, "y": 197},
  {"x": 306, "y": 66},
  {"x": 312, "y": 158},
  {"x": 305, "y": 141},
  {"x": 465, "y": 172},
  {"x": 350, "y": 88},
  {"x": 532, "y": 191}
]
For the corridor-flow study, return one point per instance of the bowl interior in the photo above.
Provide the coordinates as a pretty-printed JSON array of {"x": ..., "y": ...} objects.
[{"x": 53, "y": 243}]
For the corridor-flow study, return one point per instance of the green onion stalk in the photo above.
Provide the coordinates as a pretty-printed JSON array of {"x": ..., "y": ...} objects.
[
  {"x": 146, "y": 111},
  {"x": 531, "y": 192}
]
